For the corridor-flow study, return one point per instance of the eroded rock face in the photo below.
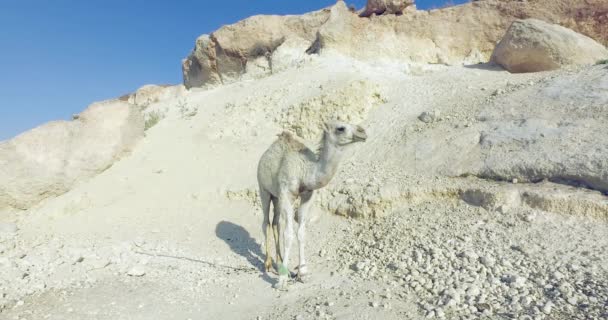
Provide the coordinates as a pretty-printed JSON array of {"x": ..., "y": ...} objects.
[
  {"x": 463, "y": 34},
  {"x": 249, "y": 46},
  {"x": 555, "y": 132},
  {"x": 152, "y": 93},
  {"x": 48, "y": 160},
  {"x": 533, "y": 45},
  {"x": 385, "y": 7}
]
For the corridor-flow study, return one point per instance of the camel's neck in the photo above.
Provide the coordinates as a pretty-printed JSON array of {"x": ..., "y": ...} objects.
[{"x": 324, "y": 169}]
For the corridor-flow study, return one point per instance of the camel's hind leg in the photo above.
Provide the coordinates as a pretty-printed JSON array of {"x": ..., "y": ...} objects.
[
  {"x": 276, "y": 227},
  {"x": 265, "y": 198},
  {"x": 286, "y": 209}
]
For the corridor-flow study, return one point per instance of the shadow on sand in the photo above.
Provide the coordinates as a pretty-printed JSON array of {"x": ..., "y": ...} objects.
[
  {"x": 485, "y": 66},
  {"x": 243, "y": 244}
]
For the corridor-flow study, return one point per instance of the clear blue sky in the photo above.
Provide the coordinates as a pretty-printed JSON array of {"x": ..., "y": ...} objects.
[{"x": 56, "y": 57}]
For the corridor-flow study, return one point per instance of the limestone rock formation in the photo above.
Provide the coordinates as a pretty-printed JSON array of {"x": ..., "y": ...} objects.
[
  {"x": 247, "y": 46},
  {"x": 151, "y": 93},
  {"x": 552, "y": 132},
  {"x": 385, "y": 7},
  {"x": 456, "y": 35},
  {"x": 48, "y": 160},
  {"x": 463, "y": 34},
  {"x": 532, "y": 45}
]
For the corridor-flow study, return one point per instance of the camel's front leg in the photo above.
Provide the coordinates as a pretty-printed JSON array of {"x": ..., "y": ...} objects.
[
  {"x": 306, "y": 203},
  {"x": 265, "y": 198},
  {"x": 286, "y": 205}
]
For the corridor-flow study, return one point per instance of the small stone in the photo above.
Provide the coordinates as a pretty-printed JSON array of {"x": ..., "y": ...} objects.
[
  {"x": 513, "y": 280},
  {"x": 20, "y": 303},
  {"x": 497, "y": 92},
  {"x": 428, "y": 117},
  {"x": 359, "y": 266},
  {"x": 469, "y": 254},
  {"x": 137, "y": 271},
  {"x": 519, "y": 248},
  {"x": 573, "y": 267},
  {"x": 439, "y": 313},
  {"x": 473, "y": 291},
  {"x": 515, "y": 180},
  {"x": 572, "y": 300},
  {"x": 374, "y": 304},
  {"x": 526, "y": 301},
  {"x": 482, "y": 307},
  {"x": 487, "y": 261},
  {"x": 298, "y": 317},
  {"x": 547, "y": 307},
  {"x": 503, "y": 209},
  {"x": 565, "y": 288}
]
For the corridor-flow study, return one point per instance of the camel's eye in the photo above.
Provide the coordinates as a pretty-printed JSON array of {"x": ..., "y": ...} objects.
[{"x": 340, "y": 129}]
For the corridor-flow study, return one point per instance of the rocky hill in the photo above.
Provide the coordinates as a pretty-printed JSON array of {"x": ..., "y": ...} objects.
[
  {"x": 481, "y": 191},
  {"x": 464, "y": 34}
]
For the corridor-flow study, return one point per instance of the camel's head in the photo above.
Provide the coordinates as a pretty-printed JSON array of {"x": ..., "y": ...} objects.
[{"x": 342, "y": 134}]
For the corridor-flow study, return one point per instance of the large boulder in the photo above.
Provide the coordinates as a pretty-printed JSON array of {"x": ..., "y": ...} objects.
[
  {"x": 385, "y": 7},
  {"x": 456, "y": 35},
  {"x": 248, "y": 46},
  {"x": 48, "y": 160},
  {"x": 533, "y": 45}
]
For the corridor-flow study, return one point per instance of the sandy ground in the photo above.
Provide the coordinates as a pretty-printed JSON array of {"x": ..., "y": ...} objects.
[{"x": 173, "y": 231}]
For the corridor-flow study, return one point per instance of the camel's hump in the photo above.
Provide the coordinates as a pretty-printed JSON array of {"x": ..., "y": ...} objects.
[{"x": 292, "y": 141}]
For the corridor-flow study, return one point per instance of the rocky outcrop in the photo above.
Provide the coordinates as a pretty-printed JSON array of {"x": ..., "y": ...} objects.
[
  {"x": 151, "y": 93},
  {"x": 48, "y": 160},
  {"x": 456, "y": 35},
  {"x": 379, "y": 7},
  {"x": 464, "y": 34},
  {"x": 250, "y": 46},
  {"x": 553, "y": 132},
  {"x": 532, "y": 45}
]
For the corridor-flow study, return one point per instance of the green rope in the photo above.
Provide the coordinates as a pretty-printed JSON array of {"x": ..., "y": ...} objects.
[{"x": 283, "y": 270}]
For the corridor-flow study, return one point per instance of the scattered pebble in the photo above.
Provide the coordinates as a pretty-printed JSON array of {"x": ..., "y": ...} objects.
[{"x": 137, "y": 271}]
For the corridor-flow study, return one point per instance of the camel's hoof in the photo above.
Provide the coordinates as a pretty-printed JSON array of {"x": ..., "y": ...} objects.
[
  {"x": 268, "y": 266},
  {"x": 281, "y": 285},
  {"x": 304, "y": 277},
  {"x": 303, "y": 274}
]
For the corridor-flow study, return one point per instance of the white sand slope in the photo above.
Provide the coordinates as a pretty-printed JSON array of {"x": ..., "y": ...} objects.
[{"x": 173, "y": 231}]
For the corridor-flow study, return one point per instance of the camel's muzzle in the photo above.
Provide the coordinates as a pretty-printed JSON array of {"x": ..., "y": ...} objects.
[{"x": 360, "y": 134}]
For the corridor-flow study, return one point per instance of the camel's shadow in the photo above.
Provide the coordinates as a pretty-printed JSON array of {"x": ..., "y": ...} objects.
[{"x": 243, "y": 244}]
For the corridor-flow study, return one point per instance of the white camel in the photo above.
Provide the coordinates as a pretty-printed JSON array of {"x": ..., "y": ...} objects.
[{"x": 288, "y": 170}]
